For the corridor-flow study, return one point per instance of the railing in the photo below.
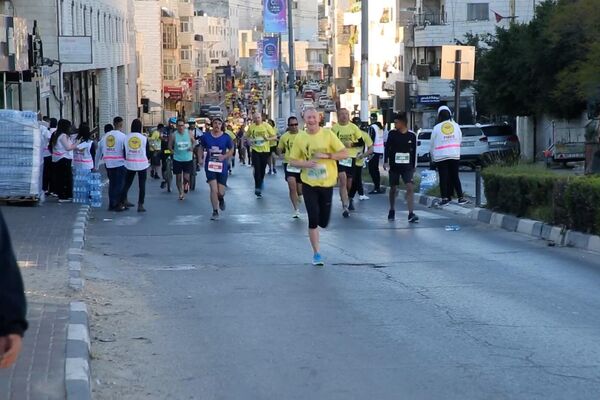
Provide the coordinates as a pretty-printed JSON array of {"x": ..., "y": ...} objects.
[{"x": 426, "y": 19}]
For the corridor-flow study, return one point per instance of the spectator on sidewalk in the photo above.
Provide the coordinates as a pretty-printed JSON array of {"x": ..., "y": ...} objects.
[
  {"x": 13, "y": 306},
  {"x": 377, "y": 134},
  {"x": 62, "y": 148}
]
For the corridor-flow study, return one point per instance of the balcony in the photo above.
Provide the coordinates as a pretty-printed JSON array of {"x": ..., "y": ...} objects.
[{"x": 430, "y": 18}]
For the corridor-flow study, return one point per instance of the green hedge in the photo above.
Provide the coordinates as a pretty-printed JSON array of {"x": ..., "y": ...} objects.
[{"x": 535, "y": 192}]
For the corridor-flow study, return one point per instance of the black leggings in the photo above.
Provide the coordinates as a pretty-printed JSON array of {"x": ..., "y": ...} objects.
[
  {"x": 374, "y": 171},
  {"x": 63, "y": 178},
  {"x": 357, "y": 184},
  {"x": 318, "y": 205},
  {"x": 47, "y": 175},
  {"x": 449, "y": 178},
  {"x": 259, "y": 161},
  {"x": 142, "y": 175}
]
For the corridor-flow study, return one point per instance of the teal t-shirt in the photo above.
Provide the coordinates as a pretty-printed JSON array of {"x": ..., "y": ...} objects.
[{"x": 182, "y": 147}]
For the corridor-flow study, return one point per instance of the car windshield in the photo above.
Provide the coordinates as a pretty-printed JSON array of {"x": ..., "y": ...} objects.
[
  {"x": 471, "y": 131},
  {"x": 425, "y": 135},
  {"x": 498, "y": 130}
]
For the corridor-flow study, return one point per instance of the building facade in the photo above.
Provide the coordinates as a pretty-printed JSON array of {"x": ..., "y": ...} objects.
[{"x": 103, "y": 82}]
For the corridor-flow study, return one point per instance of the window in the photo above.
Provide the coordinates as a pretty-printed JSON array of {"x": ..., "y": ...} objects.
[
  {"x": 185, "y": 25},
  {"x": 186, "y": 53},
  {"x": 169, "y": 70},
  {"x": 478, "y": 12},
  {"x": 169, "y": 37}
]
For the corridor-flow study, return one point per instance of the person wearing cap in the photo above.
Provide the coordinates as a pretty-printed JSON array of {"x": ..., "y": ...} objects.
[
  {"x": 377, "y": 134},
  {"x": 445, "y": 153},
  {"x": 401, "y": 160}
]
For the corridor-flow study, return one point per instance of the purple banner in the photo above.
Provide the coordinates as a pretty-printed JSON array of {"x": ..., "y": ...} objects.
[
  {"x": 270, "y": 53},
  {"x": 275, "y": 14}
]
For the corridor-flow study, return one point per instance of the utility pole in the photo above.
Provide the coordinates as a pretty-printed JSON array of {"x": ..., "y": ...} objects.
[
  {"x": 457, "y": 76},
  {"x": 292, "y": 56},
  {"x": 364, "y": 71},
  {"x": 280, "y": 79}
]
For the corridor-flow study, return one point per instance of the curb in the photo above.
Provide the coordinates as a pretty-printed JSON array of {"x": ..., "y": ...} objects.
[
  {"x": 541, "y": 230},
  {"x": 77, "y": 364}
]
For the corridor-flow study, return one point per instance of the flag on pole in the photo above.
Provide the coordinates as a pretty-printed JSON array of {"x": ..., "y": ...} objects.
[
  {"x": 498, "y": 16},
  {"x": 275, "y": 16},
  {"x": 270, "y": 56}
]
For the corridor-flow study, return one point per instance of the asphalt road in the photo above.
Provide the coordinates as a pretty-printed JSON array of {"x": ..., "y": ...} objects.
[{"x": 399, "y": 312}]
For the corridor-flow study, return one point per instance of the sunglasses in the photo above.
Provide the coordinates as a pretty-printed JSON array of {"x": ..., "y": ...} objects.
[
  {"x": 292, "y": 124},
  {"x": 181, "y": 126}
]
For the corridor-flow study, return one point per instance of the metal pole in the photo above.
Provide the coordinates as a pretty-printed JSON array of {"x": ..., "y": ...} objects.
[
  {"x": 280, "y": 81},
  {"x": 364, "y": 72},
  {"x": 478, "y": 186},
  {"x": 292, "y": 56},
  {"x": 272, "y": 94},
  {"x": 457, "y": 73}
]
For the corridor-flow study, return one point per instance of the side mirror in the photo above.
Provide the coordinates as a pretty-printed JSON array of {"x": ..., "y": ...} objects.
[{"x": 418, "y": 142}]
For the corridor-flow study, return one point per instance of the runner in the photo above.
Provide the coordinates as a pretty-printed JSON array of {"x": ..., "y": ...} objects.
[
  {"x": 273, "y": 150},
  {"x": 316, "y": 152},
  {"x": 401, "y": 160},
  {"x": 357, "y": 184},
  {"x": 181, "y": 143},
  {"x": 292, "y": 174},
  {"x": 155, "y": 145},
  {"x": 231, "y": 134},
  {"x": 219, "y": 150},
  {"x": 259, "y": 135},
  {"x": 165, "y": 152},
  {"x": 351, "y": 137}
]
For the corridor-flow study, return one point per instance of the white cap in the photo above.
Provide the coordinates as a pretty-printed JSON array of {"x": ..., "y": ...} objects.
[{"x": 444, "y": 108}]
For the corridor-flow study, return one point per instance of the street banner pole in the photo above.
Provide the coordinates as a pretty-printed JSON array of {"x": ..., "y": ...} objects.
[
  {"x": 457, "y": 76},
  {"x": 364, "y": 71},
  {"x": 280, "y": 80},
  {"x": 292, "y": 56}
]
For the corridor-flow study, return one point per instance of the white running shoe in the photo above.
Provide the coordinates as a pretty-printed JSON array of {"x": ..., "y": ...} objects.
[
  {"x": 296, "y": 214},
  {"x": 363, "y": 197}
]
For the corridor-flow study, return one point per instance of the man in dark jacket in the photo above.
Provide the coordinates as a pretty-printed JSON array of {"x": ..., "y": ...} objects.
[{"x": 13, "y": 307}]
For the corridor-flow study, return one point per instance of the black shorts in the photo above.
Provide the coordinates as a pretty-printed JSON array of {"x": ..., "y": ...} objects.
[
  {"x": 273, "y": 149},
  {"x": 221, "y": 178},
  {"x": 291, "y": 174},
  {"x": 407, "y": 175},
  {"x": 348, "y": 170},
  {"x": 155, "y": 158},
  {"x": 318, "y": 205},
  {"x": 182, "y": 167}
]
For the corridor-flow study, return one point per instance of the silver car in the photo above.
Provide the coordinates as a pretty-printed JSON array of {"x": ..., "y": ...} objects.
[
  {"x": 330, "y": 106},
  {"x": 502, "y": 140}
]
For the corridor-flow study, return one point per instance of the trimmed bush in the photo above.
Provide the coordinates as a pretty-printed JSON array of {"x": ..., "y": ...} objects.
[{"x": 534, "y": 192}]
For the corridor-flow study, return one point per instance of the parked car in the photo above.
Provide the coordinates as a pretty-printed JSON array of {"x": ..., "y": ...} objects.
[
  {"x": 215, "y": 111},
  {"x": 323, "y": 99},
  {"x": 204, "y": 108},
  {"x": 307, "y": 103},
  {"x": 310, "y": 94},
  {"x": 330, "y": 106},
  {"x": 474, "y": 146},
  {"x": 423, "y": 145},
  {"x": 502, "y": 140}
]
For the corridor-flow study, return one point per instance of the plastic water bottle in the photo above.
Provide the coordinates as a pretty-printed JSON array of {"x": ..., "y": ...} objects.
[{"x": 452, "y": 228}]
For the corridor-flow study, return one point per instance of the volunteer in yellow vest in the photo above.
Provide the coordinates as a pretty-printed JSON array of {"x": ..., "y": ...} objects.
[
  {"x": 292, "y": 174},
  {"x": 111, "y": 150},
  {"x": 351, "y": 136},
  {"x": 357, "y": 184},
  {"x": 446, "y": 138},
  {"x": 154, "y": 141},
  {"x": 316, "y": 152},
  {"x": 259, "y": 134},
  {"x": 137, "y": 150}
]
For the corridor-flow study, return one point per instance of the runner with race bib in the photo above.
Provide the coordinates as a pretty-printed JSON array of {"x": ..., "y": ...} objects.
[{"x": 292, "y": 174}]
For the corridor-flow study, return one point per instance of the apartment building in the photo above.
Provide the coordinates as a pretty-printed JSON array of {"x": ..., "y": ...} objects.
[{"x": 103, "y": 82}]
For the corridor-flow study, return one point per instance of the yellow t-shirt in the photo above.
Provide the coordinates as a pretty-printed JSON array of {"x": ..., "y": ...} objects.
[
  {"x": 231, "y": 135},
  {"x": 154, "y": 141},
  {"x": 348, "y": 133},
  {"x": 306, "y": 145},
  {"x": 286, "y": 142},
  {"x": 260, "y": 135},
  {"x": 368, "y": 143}
]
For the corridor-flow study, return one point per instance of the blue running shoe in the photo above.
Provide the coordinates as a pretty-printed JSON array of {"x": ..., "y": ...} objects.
[{"x": 318, "y": 260}]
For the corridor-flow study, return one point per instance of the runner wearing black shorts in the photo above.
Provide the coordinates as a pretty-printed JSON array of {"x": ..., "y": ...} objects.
[
  {"x": 292, "y": 174},
  {"x": 401, "y": 159}
]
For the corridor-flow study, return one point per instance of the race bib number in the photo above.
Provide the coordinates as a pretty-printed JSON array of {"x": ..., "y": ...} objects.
[
  {"x": 259, "y": 142},
  {"x": 319, "y": 172},
  {"x": 293, "y": 170},
  {"x": 402, "y": 158},
  {"x": 215, "y": 166},
  {"x": 347, "y": 162}
]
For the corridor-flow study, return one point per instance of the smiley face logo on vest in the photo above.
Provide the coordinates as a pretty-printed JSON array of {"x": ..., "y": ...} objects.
[
  {"x": 134, "y": 143},
  {"x": 447, "y": 129},
  {"x": 110, "y": 141}
]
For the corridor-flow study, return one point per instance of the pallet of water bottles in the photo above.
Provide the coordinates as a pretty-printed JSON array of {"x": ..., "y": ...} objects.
[{"x": 87, "y": 187}]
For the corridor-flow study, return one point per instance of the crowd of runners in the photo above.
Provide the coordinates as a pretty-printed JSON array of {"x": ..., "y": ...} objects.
[{"x": 316, "y": 159}]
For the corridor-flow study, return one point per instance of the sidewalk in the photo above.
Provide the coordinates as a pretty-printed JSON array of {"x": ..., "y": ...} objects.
[{"x": 41, "y": 236}]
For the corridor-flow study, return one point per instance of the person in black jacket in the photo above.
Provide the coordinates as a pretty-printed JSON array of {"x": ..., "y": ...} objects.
[
  {"x": 13, "y": 306},
  {"x": 401, "y": 160}
]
